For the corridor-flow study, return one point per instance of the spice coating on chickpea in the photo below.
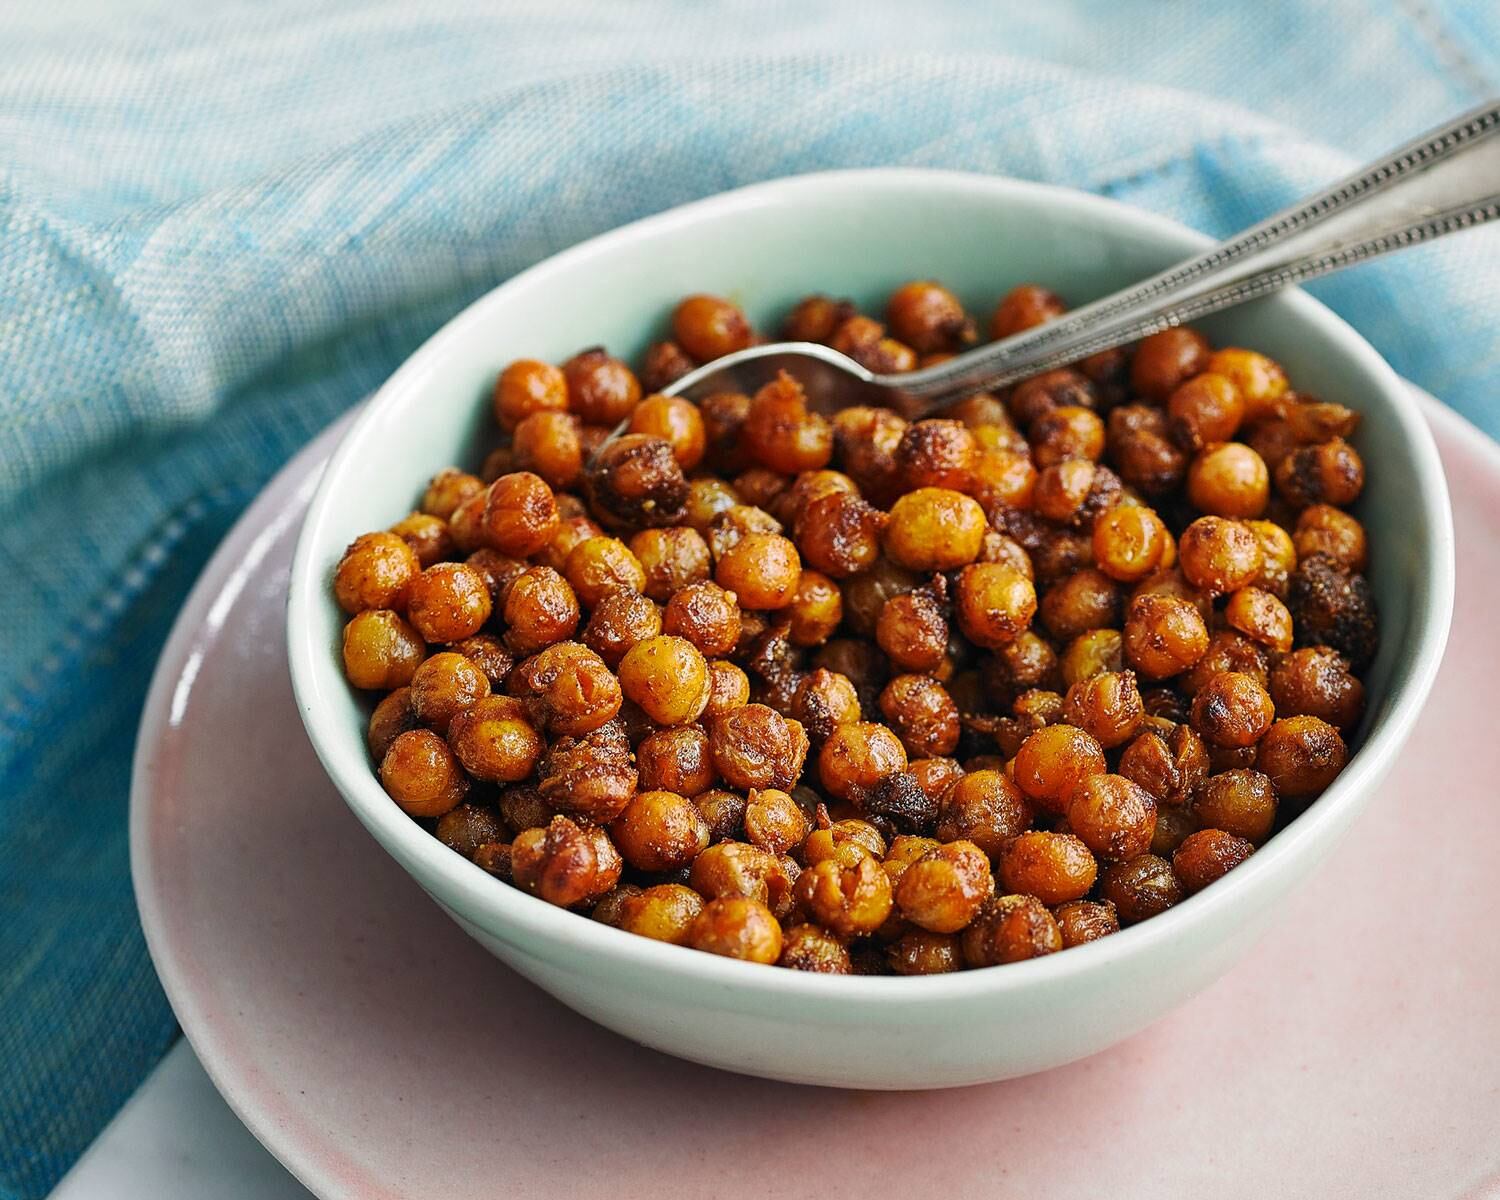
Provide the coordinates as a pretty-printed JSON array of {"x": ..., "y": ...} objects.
[
  {"x": 1053, "y": 761},
  {"x": 494, "y": 741},
  {"x": 528, "y": 386},
  {"x": 422, "y": 775},
  {"x": 375, "y": 572},
  {"x": 934, "y": 529},
  {"x": 1010, "y": 929},
  {"x": 381, "y": 650},
  {"x": 1207, "y": 856},
  {"x": 856, "y": 756},
  {"x": 944, "y": 889}
]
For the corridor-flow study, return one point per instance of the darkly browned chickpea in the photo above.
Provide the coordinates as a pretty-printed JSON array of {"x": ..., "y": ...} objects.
[
  {"x": 934, "y": 529},
  {"x": 601, "y": 390},
  {"x": 1228, "y": 650},
  {"x": 756, "y": 747},
  {"x": 1113, "y": 816},
  {"x": 675, "y": 421},
  {"x": 1009, "y": 929},
  {"x": 592, "y": 777},
  {"x": 671, "y": 559},
  {"x": 921, "y": 952},
  {"x": 1143, "y": 452},
  {"x": 1107, "y": 706},
  {"x": 808, "y": 948},
  {"x": 1232, "y": 710},
  {"x": 1075, "y": 491},
  {"x": 1140, "y": 887},
  {"x": 773, "y": 821},
  {"x": 635, "y": 481},
  {"x": 1086, "y": 599},
  {"x": 668, "y": 677},
  {"x": 1208, "y": 855},
  {"x": 540, "y": 609},
  {"x": 497, "y": 570},
  {"x": 856, "y": 756},
  {"x": 522, "y": 806},
  {"x": 762, "y": 570},
  {"x": 601, "y": 565},
  {"x": 664, "y": 913},
  {"x": 549, "y": 444},
  {"x": 392, "y": 717},
  {"x": 865, "y": 595},
  {"x": 846, "y": 900},
  {"x": 728, "y": 688},
  {"x": 620, "y": 621},
  {"x": 610, "y": 908},
  {"x": 676, "y": 760},
  {"x": 1323, "y": 529},
  {"x": 936, "y": 453},
  {"x": 944, "y": 889},
  {"x": 659, "y": 831},
  {"x": 825, "y": 700},
  {"x": 816, "y": 609},
  {"x": 995, "y": 603},
  {"x": 724, "y": 416},
  {"x": 494, "y": 740},
  {"x": 1329, "y": 473},
  {"x": 428, "y": 536},
  {"x": 381, "y": 651},
  {"x": 1165, "y": 361},
  {"x": 1053, "y": 761},
  {"x": 707, "y": 499},
  {"x": 737, "y": 928},
  {"x": 985, "y": 808},
  {"x": 815, "y": 318},
  {"x": 1260, "y": 381},
  {"x": 1168, "y": 766},
  {"x": 1218, "y": 555},
  {"x": 912, "y": 631},
  {"x": 725, "y": 813},
  {"x": 781, "y": 433},
  {"x": 1066, "y": 432},
  {"x": 1024, "y": 307},
  {"x": 928, "y": 317},
  {"x": 1333, "y": 606},
  {"x": 1027, "y": 662},
  {"x": 444, "y": 686},
  {"x": 520, "y": 514},
  {"x": 709, "y": 327},
  {"x": 663, "y": 364},
  {"x": 1163, "y": 635},
  {"x": 1302, "y": 756},
  {"x": 1205, "y": 409},
  {"x": 1083, "y": 921},
  {"x": 422, "y": 775},
  {"x": 528, "y": 386},
  {"x": 922, "y": 713},
  {"x": 565, "y": 864},
  {"x": 1053, "y": 867},
  {"x": 448, "y": 602},
  {"x": 376, "y": 572},
  {"x": 839, "y": 534},
  {"x": 573, "y": 689},
  {"x": 863, "y": 339},
  {"x": 1240, "y": 801},
  {"x": 1172, "y": 826},
  {"x": 866, "y": 440},
  {"x": 468, "y": 827},
  {"x": 1316, "y": 682},
  {"x": 1130, "y": 542},
  {"x": 1261, "y": 617}
]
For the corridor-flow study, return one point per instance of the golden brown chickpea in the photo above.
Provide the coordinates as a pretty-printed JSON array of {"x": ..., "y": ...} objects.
[
  {"x": 520, "y": 514},
  {"x": 573, "y": 689},
  {"x": 659, "y": 831},
  {"x": 912, "y": 631},
  {"x": 548, "y": 444},
  {"x": 1165, "y": 361},
  {"x": 995, "y": 604},
  {"x": 376, "y": 572},
  {"x": 1075, "y": 492},
  {"x": 1092, "y": 653},
  {"x": 392, "y": 717},
  {"x": 468, "y": 827},
  {"x": 1302, "y": 755},
  {"x": 676, "y": 760},
  {"x": 494, "y": 741},
  {"x": 756, "y": 747},
  {"x": 602, "y": 565},
  {"x": 934, "y": 529},
  {"x": 846, "y": 900},
  {"x": 866, "y": 440},
  {"x": 671, "y": 559},
  {"x": 664, "y": 913},
  {"x": 728, "y": 689},
  {"x": 1004, "y": 477},
  {"x": 1024, "y": 307},
  {"x": 635, "y": 481},
  {"x": 601, "y": 390},
  {"x": 1086, "y": 599},
  {"x": 985, "y": 808},
  {"x": 540, "y": 609},
  {"x": 1278, "y": 557},
  {"x": 1229, "y": 479},
  {"x": 1261, "y": 617},
  {"x": 1164, "y": 635},
  {"x": 1053, "y": 867},
  {"x": 1168, "y": 766},
  {"x": 1313, "y": 421},
  {"x": 1329, "y": 473},
  {"x": 1082, "y": 921},
  {"x": 592, "y": 777},
  {"x": 1219, "y": 555},
  {"x": 1316, "y": 681},
  {"x": 781, "y": 433},
  {"x": 856, "y": 756},
  {"x": 928, "y": 317},
  {"x": 839, "y": 534},
  {"x": 725, "y": 813},
  {"x": 1107, "y": 706},
  {"x": 610, "y": 908},
  {"x": 448, "y": 602},
  {"x": 816, "y": 609},
  {"x": 1322, "y": 529},
  {"x": 381, "y": 651},
  {"x": 1228, "y": 650},
  {"x": 921, "y": 952},
  {"x": 709, "y": 327},
  {"x": 528, "y": 386},
  {"x": 824, "y": 700},
  {"x": 1053, "y": 761},
  {"x": 565, "y": 864},
  {"x": 844, "y": 841},
  {"x": 421, "y": 774},
  {"x": 707, "y": 499},
  {"x": 1066, "y": 432},
  {"x": 1241, "y": 802},
  {"x": 1130, "y": 542},
  {"x": 444, "y": 686},
  {"x": 429, "y": 537},
  {"x": 922, "y": 713},
  {"x": 675, "y": 421},
  {"x": 1207, "y": 856},
  {"x": 668, "y": 677},
  {"x": 808, "y": 948},
  {"x": 1232, "y": 710},
  {"x": 944, "y": 889},
  {"x": 570, "y": 533},
  {"x": 1113, "y": 816},
  {"x": 936, "y": 453},
  {"x": 762, "y": 569},
  {"x": 1260, "y": 381},
  {"x": 1207, "y": 408},
  {"x": 1140, "y": 887},
  {"x": 737, "y": 928},
  {"x": 815, "y": 318},
  {"x": 728, "y": 869},
  {"x": 773, "y": 821},
  {"x": 619, "y": 622},
  {"x": 1009, "y": 929}
]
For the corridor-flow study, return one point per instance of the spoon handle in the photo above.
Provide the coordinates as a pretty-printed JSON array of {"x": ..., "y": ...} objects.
[{"x": 1444, "y": 181}]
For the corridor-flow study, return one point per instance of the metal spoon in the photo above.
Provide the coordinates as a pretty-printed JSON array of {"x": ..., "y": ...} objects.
[{"x": 1445, "y": 181}]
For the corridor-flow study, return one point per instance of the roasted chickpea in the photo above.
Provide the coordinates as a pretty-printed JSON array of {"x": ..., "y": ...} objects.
[
  {"x": 468, "y": 827},
  {"x": 1051, "y": 390},
  {"x": 1260, "y": 381},
  {"x": 934, "y": 529},
  {"x": 549, "y": 444},
  {"x": 1302, "y": 755},
  {"x": 392, "y": 717},
  {"x": 540, "y": 609},
  {"x": 1140, "y": 887},
  {"x": 1107, "y": 706},
  {"x": 1066, "y": 432},
  {"x": 1009, "y": 929},
  {"x": 724, "y": 416},
  {"x": 592, "y": 777},
  {"x": 928, "y": 317},
  {"x": 1092, "y": 653},
  {"x": 845, "y": 841},
  {"x": 444, "y": 686},
  {"x": 815, "y": 318},
  {"x": 773, "y": 821},
  {"x": 1130, "y": 542},
  {"x": 724, "y": 812},
  {"x": 381, "y": 651},
  {"x": 421, "y": 774},
  {"x": 762, "y": 569},
  {"x": 665, "y": 912},
  {"x": 527, "y": 386},
  {"x": 520, "y": 514},
  {"x": 782, "y": 433},
  {"x": 943, "y": 890},
  {"x": 1261, "y": 617},
  {"x": 913, "y": 632},
  {"x": 1164, "y": 635},
  {"x": 816, "y": 609},
  {"x": 737, "y": 928},
  {"x": 1053, "y": 761},
  {"x": 448, "y": 602},
  {"x": 1206, "y": 856},
  {"x": 808, "y": 948},
  {"x": 839, "y": 534},
  {"x": 739, "y": 869},
  {"x": 1219, "y": 555},
  {"x": 1142, "y": 450},
  {"x": 1229, "y": 480},
  {"x": 659, "y": 831},
  {"x": 571, "y": 532},
  {"x": 1004, "y": 477},
  {"x": 922, "y": 713},
  {"x": 601, "y": 390},
  {"x": 431, "y": 538},
  {"x": 1167, "y": 765},
  {"x": 728, "y": 688},
  {"x": 620, "y": 621},
  {"x": 565, "y": 864},
  {"x": 995, "y": 603},
  {"x": 497, "y": 570},
  {"x": 1053, "y": 867},
  {"x": 574, "y": 689},
  {"x": 668, "y": 677},
  {"x": 866, "y": 440},
  {"x": 1316, "y": 681},
  {"x": 1228, "y": 650},
  {"x": 1329, "y": 473},
  {"x": 635, "y": 481},
  {"x": 846, "y": 900},
  {"x": 376, "y": 571},
  {"x": 1323, "y": 529},
  {"x": 1240, "y": 801},
  {"x": 1164, "y": 361},
  {"x": 1024, "y": 307},
  {"x": 863, "y": 339},
  {"x": 494, "y": 740},
  {"x": 522, "y": 806},
  {"x": 756, "y": 747},
  {"x": 707, "y": 499},
  {"x": 985, "y": 808},
  {"x": 709, "y": 327},
  {"x": 676, "y": 760},
  {"x": 1278, "y": 557},
  {"x": 675, "y": 421},
  {"x": 1232, "y": 710},
  {"x": 1334, "y": 606},
  {"x": 936, "y": 453},
  {"x": 1205, "y": 409},
  {"x": 671, "y": 559},
  {"x": 663, "y": 364},
  {"x": 1086, "y": 599},
  {"x": 824, "y": 700},
  {"x": 921, "y": 952},
  {"x": 601, "y": 565},
  {"x": 856, "y": 756},
  {"x": 1082, "y": 921},
  {"x": 1113, "y": 816}
]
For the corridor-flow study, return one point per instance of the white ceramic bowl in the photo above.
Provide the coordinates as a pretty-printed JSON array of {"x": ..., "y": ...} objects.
[{"x": 859, "y": 233}]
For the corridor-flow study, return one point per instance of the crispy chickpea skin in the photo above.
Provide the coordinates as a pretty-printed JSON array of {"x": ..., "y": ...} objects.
[
  {"x": 1301, "y": 756},
  {"x": 659, "y": 831},
  {"x": 728, "y": 689},
  {"x": 944, "y": 889},
  {"x": 922, "y": 713},
  {"x": 1166, "y": 360},
  {"x": 520, "y": 514},
  {"x": 773, "y": 821},
  {"x": 762, "y": 570},
  {"x": 376, "y": 572},
  {"x": 621, "y": 621},
  {"x": 1167, "y": 765},
  {"x": 1164, "y": 635},
  {"x": 739, "y": 869},
  {"x": 1333, "y": 606},
  {"x": 565, "y": 864},
  {"x": 846, "y": 900},
  {"x": 782, "y": 433},
  {"x": 676, "y": 760},
  {"x": 1239, "y": 801},
  {"x": 995, "y": 604},
  {"x": 444, "y": 686},
  {"x": 574, "y": 691},
  {"x": 1329, "y": 473},
  {"x": 635, "y": 481},
  {"x": 381, "y": 651},
  {"x": 592, "y": 777},
  {"x": 1113, "y": 816},
  {"x": 1219, "y": 555},
  {"x": 1082, "y": 921},
  {"x": 856, "y": 756},
  {"x": 737, "y": 928},
  {"x": 824, "y": 700},
  {"x": 671, "y": 559},
  {"x": 1053, "y": 761},
  {"x": 1140, "y": 887},
  {"x": 422, "y": 775},
  {"x": 984, "y": 808},
  {"x": 1316, "y": 681},
  {"x": 1206, "y": 856},
  {"x": 1232, "y": 710},
  {"x": 1107, "y": 706},
  {"x": 527, "y": 386},
  {"x": 668, "y": 677},
  {"x": 448, "y": 602},
  {"x": 754, "y": 746},
  {"x": 936, "y": 453},
  {"x": 1053, "y": 867},
  {"x": 808, "y": 948},
  {"x": 540, "y": 609},
  {"x": 912, "y": 631},
  {"x": 664, "y": 913},
  {"x": 1130, "y": 542},
  {"x": 1010, "y": 929},
  {"x": 494, "y": 741},
  {"x": 600, "y": 565},
  {"x": 934, "y": 529},
  {"x": 601, "y": 390}
]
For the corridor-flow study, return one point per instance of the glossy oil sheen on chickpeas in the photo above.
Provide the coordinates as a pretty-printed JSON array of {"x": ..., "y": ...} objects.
[{"x": 852, "y": 693}]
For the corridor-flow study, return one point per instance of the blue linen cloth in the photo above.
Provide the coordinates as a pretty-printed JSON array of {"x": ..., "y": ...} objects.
[{"x": 221, "y": 224}]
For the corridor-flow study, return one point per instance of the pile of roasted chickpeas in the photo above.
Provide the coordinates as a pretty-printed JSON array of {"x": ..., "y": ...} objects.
[{"x": 854, "y": 694}]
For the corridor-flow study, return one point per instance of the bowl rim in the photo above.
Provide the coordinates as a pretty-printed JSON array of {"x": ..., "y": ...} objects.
[{"x": 563, "y": 938}]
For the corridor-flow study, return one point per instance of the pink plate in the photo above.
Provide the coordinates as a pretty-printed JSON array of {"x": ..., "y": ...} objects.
[{"x": 380, "y": 1053}]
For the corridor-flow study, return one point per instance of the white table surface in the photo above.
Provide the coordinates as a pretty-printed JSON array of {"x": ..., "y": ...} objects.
[{"x": 177, "y": 1140}]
